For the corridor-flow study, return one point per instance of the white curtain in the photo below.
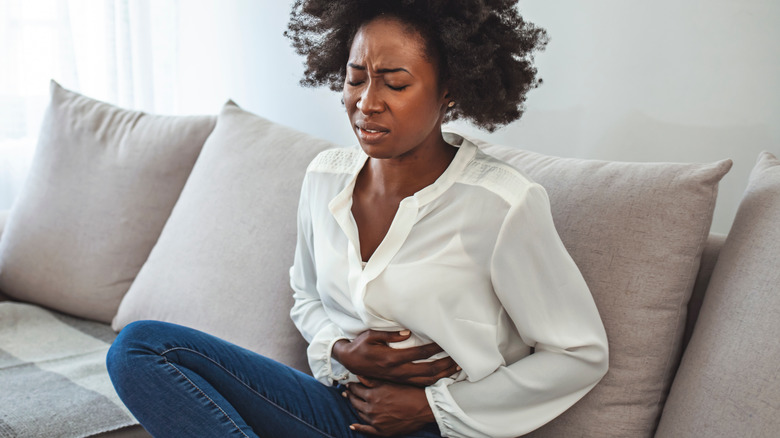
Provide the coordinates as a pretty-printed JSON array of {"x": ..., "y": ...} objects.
[{"x": 119, "y": 51}]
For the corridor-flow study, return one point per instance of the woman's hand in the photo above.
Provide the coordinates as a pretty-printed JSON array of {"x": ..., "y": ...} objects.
[
  {"x": 369, "y": 355},
  {"x": 387, "y": 408}
]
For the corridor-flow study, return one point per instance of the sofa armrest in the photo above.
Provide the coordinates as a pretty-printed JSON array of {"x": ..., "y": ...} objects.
[{"x": 709, "y": 258}]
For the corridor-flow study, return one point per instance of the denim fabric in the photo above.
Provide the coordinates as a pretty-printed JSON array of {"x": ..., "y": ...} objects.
[{"x": 179, "y": 382}]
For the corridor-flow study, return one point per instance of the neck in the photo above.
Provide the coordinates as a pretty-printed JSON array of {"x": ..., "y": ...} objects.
[{"x": 407, "y": 174}]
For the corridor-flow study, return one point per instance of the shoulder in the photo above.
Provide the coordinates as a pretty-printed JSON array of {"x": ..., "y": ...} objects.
[
  {"x": 498, "y": 177},
  {"x": 338, "y": 161}
]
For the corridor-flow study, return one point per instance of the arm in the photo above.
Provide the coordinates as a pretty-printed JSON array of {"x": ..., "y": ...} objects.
[
  {"x": 546, "y": 297},
  {"x": 308, "y": 313}
]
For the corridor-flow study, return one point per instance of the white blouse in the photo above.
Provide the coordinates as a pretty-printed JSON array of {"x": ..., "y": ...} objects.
[{"x": 473, "y": 263}]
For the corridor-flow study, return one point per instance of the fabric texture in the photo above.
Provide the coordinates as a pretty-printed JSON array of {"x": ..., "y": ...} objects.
[
  {"x": 221, "y": 263},
  {"x": 213, "y": 388},
  {"x": 728, "y": 383},
  {"x": 102, "y": 183},
  {"x": 636, "y": 231},
  {"x": 53, "y": 375},
  {"x": 471, "y": 262},
  {"x": 709, "y": 257}
]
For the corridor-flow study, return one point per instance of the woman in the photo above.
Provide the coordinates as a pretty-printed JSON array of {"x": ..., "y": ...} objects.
[{"x": 425, "y": 271}]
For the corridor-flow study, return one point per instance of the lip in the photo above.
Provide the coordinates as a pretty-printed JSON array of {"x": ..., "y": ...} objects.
[{"x": 370, "y": 132}]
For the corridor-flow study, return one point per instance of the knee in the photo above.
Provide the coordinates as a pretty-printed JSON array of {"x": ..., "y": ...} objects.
[{"x": 135, "y": 340}]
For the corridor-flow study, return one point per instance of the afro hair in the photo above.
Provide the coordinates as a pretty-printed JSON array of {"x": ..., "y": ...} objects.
[{"x": 484, "y": 49}]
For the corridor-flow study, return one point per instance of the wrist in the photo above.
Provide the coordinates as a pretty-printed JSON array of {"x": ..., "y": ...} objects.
[
  {"x": 338, "y": 350},
  {"x": 426, "y": 412}
]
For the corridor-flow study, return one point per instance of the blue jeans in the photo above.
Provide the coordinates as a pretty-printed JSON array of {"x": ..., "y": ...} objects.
[{"x": 179, "y": 382}]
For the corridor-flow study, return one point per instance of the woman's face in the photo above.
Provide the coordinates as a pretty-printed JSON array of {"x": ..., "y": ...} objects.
[{"x": 391, "y": 90}]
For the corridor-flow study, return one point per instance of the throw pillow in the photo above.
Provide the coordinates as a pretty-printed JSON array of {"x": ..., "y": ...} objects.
[
  {"x": 636, "y": 231},
  {"x": 101, "y": 186},
  {"x": 728, "y": 383},
  {"x": 222, "y": 262}
]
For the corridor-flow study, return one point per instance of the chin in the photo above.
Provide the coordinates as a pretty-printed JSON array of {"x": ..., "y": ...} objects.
[{"x": 376, "y": 152}]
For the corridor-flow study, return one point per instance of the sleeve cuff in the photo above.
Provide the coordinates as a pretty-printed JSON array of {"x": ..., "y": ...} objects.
[
  {"x": 449, "y": 417},
  {"x": 324, "y": 368}
]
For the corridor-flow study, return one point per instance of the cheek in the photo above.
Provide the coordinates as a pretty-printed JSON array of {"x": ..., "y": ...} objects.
[
  {"x": 349, "y": 99},
  {"x": 420, "y": 110}
]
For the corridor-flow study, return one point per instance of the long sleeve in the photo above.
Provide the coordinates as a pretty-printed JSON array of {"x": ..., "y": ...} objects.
[
  {"x": 308, "y": 312},
  {"x": 544, "y": 294}
]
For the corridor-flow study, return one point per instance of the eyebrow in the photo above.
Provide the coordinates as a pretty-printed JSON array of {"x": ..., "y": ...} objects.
[{"x": 381, "y": 70}]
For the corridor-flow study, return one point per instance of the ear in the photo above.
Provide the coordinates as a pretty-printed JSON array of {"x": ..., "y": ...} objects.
[{"x": 447, "y": 100}]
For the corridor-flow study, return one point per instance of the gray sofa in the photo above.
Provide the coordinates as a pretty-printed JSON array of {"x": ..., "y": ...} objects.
[{"x": 129, "y": 216}]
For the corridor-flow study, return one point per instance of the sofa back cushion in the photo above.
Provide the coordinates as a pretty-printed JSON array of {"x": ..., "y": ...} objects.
[
  {"x": 101, "y": 186},
  {"x": 636, "y": 231},
  {"x": 728, "y": 383},
  {"x": 222, "y": 262}
]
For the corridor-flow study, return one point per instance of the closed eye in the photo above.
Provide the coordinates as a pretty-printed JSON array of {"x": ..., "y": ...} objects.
[
  {"x": 354, "y": 84},
  {"x": 397, "y": 88}
]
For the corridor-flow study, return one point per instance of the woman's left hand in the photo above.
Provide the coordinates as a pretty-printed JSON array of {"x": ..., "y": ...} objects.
[{"x": 389, "y": 408}]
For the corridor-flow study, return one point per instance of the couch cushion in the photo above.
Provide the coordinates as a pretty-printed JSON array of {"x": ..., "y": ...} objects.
[
  {"x": 636, "y": 231},
  {"x": 728, "y": 383},
  {"x": 101, "y": 186},
  {"x": 221, "y": 264}
]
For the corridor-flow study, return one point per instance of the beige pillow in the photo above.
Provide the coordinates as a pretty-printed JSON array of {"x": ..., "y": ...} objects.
[
  {"x": 101, "y": 186},
  {"x": 728, "y": 384},
  {"x": 636, "y": 231},
  {"x": 222, "y": 262}
]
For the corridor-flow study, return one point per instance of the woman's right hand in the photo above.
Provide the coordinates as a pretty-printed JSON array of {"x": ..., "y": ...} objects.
[{"x": 369, "y": 355}]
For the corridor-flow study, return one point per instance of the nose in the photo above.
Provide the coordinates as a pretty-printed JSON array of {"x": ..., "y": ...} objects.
[{"x": 370, "y": 101}]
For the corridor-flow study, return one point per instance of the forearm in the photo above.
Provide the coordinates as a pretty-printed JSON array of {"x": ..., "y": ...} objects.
[{"x": 520, "y": 397}]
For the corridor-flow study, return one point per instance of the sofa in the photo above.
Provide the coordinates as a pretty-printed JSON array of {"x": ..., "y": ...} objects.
[{"x": 191, "y": 219}]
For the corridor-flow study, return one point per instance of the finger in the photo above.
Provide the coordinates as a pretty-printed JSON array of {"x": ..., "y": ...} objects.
[
  {"x": 411, "y": 354},
  {"x": 364, "y": 428},
  {"x": 357, "y": 390},
  {"x": 369, "y": 383},
  {"x": 358, "y": 403},
  {"x": 427, "y": 369},
  {"x": 378, "y": 336},
  {"x": 427, "y": 381}
]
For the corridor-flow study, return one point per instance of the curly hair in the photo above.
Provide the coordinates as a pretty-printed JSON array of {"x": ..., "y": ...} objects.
[{"x": 483, "y": 49}]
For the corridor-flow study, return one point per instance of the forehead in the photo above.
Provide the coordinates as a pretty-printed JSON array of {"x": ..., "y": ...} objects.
[{"x": 387, "y": 42}]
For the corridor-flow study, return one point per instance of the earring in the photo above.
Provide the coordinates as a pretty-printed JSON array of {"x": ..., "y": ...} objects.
[{"x": 451, "y": 104}]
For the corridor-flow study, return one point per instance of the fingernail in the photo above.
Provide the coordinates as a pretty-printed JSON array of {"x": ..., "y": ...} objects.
[
  {"x": 344, "y": 394},
  {"x": 458, "y": 368},
  {"x": 352, "y": 427},
  {"x": 404, "y": 332}
]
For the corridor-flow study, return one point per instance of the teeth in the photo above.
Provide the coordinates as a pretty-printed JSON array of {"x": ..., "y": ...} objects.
[{"x": 371, "y": 131}]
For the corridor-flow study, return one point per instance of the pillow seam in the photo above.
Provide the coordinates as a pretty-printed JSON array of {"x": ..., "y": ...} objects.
[{"x": 689, "y": 287}]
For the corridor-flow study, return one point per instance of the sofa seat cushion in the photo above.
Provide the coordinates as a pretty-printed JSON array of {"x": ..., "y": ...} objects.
[
  {"x": 728, "y": 383},
  {"x": 101, "y": 186},
  {"x": 53, "y": 376},
  {"x": 636, "y": 231},
  {"x": 222, "y": 262}
]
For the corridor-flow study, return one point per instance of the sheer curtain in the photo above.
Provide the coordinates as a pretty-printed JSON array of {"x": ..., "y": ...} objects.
[{"x": 119, "y": 51}]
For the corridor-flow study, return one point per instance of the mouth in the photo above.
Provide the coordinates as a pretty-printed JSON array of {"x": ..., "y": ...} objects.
[{"x": 370, "y": 133}]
